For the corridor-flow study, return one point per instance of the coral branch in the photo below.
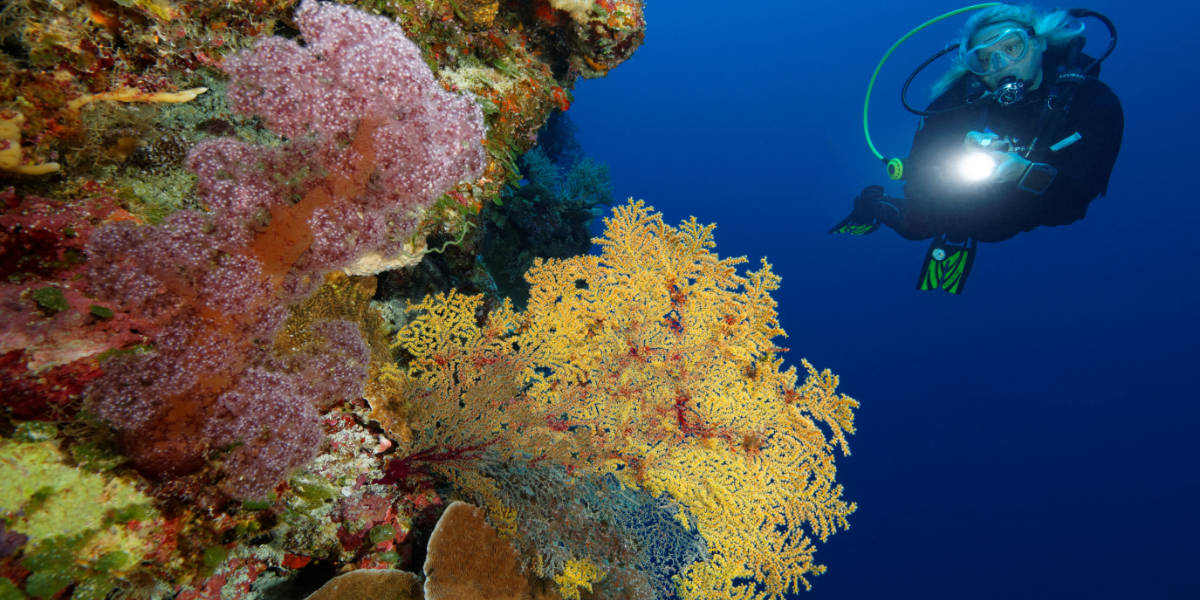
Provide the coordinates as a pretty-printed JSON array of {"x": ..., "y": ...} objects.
[{"x": 403, "y": 471}]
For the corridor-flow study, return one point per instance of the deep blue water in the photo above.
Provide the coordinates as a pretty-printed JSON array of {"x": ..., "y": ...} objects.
[{"x": 1035, "y": 437}]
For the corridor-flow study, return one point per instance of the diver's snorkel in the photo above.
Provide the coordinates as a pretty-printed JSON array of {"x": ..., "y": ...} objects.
[{"x": 1010, "y": 90}]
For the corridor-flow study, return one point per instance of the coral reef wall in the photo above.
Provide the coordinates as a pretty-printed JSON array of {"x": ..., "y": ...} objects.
[
  {"x": 195, "y": 197},
  {"x": 211, "y": 386}
]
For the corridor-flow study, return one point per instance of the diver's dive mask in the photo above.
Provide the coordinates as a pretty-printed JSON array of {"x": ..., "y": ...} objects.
[{"x": 998, "y": 52}]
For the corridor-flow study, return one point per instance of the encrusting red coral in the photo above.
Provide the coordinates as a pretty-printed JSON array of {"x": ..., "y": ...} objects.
[{"x": 52, "y": 330}]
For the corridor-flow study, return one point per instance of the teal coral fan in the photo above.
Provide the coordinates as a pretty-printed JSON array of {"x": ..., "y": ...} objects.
[{"x": 548, "y": 213}]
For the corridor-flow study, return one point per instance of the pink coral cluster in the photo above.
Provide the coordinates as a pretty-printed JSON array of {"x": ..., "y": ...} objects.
[
  {"x": 372, "y": 140},
  {"x": 370, "y": 130}
]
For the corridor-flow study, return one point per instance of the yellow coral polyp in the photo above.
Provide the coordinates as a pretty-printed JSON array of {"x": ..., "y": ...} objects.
[
  {"x": 11, "y": 158},
  {"x": 136, "y": 95}
]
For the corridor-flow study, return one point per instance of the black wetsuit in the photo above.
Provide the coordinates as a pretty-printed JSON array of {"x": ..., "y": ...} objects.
[{"x": 938, "y": 202}]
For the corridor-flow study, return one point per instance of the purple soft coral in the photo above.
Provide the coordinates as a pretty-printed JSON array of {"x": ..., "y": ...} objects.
[
  {"x": 372, "y": 141},
  {"x": 366, "y": 121}
]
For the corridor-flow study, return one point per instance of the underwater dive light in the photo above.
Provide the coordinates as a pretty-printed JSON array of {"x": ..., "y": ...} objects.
[
  {"x": 895, "y": 166},
  {"x": 976, "y": 166}
]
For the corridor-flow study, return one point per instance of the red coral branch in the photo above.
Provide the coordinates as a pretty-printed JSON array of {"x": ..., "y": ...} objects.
[{"x": 412, "y": 471}]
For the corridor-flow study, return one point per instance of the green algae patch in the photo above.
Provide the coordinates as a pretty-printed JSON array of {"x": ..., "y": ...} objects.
[
  {"x": 50, "y": 300},
  {"x": 35, "y": 431},
  {"x": 69, "y": 501},
  {"x": 70, "y": 516},
  {"x": 9, "y": 591},
  {"x": 214, "y": 556},
  {"x": 101, "y": 312}
]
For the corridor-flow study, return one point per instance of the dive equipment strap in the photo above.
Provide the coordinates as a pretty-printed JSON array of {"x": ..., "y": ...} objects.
[
  {"x": 947, "y": 265},
  {"x": 1066, "y": 142},
  {"x": 1070, "y": 75}
]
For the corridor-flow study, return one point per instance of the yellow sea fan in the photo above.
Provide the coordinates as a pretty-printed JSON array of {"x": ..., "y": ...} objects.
[{"x": 654, "y": 362}]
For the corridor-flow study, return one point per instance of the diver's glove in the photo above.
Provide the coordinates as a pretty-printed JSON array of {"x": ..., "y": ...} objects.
[
  {"x": 986, "y": 140},
  {"x": 868, "y": 211},
  {"x": 1010, "y": 166}
]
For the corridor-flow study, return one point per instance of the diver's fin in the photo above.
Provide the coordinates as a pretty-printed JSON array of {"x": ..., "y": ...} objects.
[
  {"x": 947, "y": 265},
  {"x": 855, "y": 225}
]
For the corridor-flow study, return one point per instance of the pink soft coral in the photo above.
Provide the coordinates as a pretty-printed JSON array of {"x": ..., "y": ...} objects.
[{"x": 372, "y": 140}]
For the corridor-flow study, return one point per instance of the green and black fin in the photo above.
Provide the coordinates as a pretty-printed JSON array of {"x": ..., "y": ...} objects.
[
  {"x": 855, "y": 225},
  {"x": 947, "y": 265}
]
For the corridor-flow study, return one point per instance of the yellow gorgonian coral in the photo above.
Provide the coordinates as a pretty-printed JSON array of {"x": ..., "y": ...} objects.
[
  {"x": 578, "y": 574},
  {"x": 654, "y": 362}
]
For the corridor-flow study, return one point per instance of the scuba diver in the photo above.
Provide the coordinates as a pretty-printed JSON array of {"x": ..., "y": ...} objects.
[{"x": 1021, "y": 134}]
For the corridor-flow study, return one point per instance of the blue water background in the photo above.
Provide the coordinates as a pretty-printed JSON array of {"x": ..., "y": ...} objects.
[{"x": 1035, "y": 437}]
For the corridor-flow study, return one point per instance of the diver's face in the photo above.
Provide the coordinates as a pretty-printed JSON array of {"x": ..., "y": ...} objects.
[{"x": 1008, "y": 55}]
